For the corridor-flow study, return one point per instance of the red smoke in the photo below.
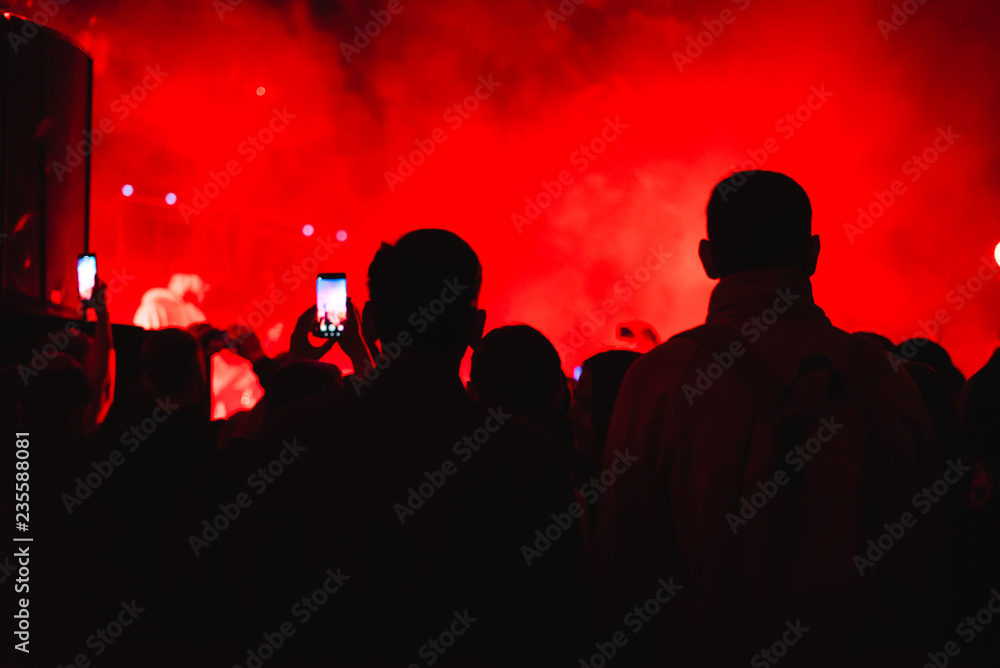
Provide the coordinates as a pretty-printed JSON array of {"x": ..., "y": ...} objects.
[{"x": 845, "y": 97}]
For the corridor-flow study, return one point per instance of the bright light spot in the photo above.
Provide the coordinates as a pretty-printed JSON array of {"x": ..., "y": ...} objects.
[
  {"x": 274, "y": 333},
  {"x": 170, "y": 198},
  {"x": 341, "y": 235},
  {"x": 308, "y": 230},
  {"x": 577, "y": 370},
  {"x": 996, "y": 254},
  {"x": 260, "y": 90},
  {"x": 6, "y": 15},
  {"x": 127, "y": 190}
]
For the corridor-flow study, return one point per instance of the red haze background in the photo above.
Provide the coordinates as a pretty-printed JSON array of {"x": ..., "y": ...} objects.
[{"x": 561, "y": 75}]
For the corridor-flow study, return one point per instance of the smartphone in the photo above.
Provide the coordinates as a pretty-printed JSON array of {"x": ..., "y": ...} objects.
[
  {"x": 86, "y": 275},
  {"x": 331, "y": 305}
]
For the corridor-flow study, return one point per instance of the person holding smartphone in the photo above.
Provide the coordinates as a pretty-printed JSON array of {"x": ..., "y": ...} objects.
[{"x": 300, "y": 348}]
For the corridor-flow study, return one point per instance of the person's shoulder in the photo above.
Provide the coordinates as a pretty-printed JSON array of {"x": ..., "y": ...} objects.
[
  {"x": 671, "y": 354},
  {"x": 883, "y": 377},
  {"x": 866, "y": 353}
]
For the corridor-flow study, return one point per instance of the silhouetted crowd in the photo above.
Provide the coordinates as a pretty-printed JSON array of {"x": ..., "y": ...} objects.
[{"x": 762, "y": 489}]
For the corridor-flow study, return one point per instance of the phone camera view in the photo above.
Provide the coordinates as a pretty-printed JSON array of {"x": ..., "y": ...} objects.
[
  {"x": 86, "y": 273},
  {"x": 331, "y": 305}
]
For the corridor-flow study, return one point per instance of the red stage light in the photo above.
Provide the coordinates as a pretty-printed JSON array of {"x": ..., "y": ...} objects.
[
  {"x": 127, "y": 190},
  {"x": 260, "y": 90},
  {"x": 170, "y": 198},
  {"x": 308, "y": 230},
  {"x": 996, "y": 253},
  {"x": 341, "y": 235}
]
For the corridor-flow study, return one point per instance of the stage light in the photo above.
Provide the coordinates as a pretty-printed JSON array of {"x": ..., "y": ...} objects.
[
  {"x": 127, "y": 190},
  {"x": 341, "y": 235},
  {"x": 260, "y": 90},
  {"x": 577, "y": 370},
  {"x": 6, "y": 15},
  {"x": 307, "y": 230},
  {"x": 996, "y": 253},
  {"x": 170, "y": 198}
]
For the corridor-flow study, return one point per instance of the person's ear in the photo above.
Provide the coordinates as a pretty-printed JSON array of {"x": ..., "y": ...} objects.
[
  {"x": 705, "y": 253},
  {"x": 478, "y": 327},
  {"x": 810, "y": 256}
]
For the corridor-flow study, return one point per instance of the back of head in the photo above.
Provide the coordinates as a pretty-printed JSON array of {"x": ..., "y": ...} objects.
[
  {"x": 518, "y": 368},
  {"x": 880, "y": 339},
  {"x": 172, "y": 362},
  {"x": 936, "y": 357},
  {"x": 78, "y": 344},
  {"x": 427, "y": 285},
  {"x": 758, "y": 220},
  {"x": 607, "y": 371},
  {"x": 56, "y": 398}
]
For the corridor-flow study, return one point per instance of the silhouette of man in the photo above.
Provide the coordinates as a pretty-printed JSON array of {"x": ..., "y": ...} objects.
[
  {"x": 422, "y": 496},
  {"x": 770, "y": 447}
]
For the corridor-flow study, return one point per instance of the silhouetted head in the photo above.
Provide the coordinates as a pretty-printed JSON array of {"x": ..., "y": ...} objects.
[
  {"x": 298, "y": 380},
  {"x": 758, "y": 220},
  {"x": 596, "y": 392},
  {"x": 76, "y": 343},
  {"x": 172, "y": 364},
  {"x": 518, "y": 368},
  {"x": 426, "y": 285},
  {"x": 936, "y": 357},
  {"x": 883, "y": 341},
  {"x": 55, "y": 401}
]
